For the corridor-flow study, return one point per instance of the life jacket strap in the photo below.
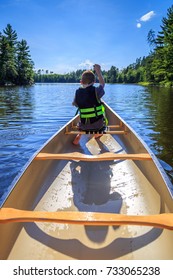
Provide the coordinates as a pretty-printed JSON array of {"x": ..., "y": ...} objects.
[{"x": 92, "y": 112}]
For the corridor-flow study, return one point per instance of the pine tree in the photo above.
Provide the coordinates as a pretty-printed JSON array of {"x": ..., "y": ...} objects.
[
  {"x": 3, "y": 59},
  {"x": 9, "y": 65},
  {"x": 24, "y": 64},
  {"x": 163, "y": 67},
  {"x": 16, "y": 66}
]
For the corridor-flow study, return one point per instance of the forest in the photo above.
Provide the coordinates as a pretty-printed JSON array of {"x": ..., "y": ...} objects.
[{"x": 17, "y": 67}]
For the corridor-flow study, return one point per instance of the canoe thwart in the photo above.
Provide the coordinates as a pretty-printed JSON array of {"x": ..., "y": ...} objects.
[
  {"x": 101, "y": 157},
  {"x": 107, "y": 127},
  {"x": 11, "y": 215},
  {"x": 97, "y": 132}
]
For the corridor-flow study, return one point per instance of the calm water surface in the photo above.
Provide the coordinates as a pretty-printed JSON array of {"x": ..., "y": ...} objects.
[{"x": 30, "y": 115}]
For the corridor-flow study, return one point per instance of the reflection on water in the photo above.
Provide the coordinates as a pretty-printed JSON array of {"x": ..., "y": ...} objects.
[{"x": 30, "y": 115}]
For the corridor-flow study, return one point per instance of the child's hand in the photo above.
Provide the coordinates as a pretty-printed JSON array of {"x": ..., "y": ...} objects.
[{"x": 97, "y": 68}]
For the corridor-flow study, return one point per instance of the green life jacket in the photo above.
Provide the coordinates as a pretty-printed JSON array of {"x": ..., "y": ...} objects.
[{"x": 90, "y": 107}]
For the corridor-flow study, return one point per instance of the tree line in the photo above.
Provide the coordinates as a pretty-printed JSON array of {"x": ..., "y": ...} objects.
[
  {"x": 16, "y": 65},
  {"x": 156, "y": 68}
]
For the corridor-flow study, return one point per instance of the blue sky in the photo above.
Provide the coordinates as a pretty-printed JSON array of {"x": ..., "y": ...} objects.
[{"x": 65, "y": 35}]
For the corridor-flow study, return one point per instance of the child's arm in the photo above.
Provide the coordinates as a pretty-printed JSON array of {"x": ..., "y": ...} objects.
[
  {"x": 74, "y": 101},
  {"x": 97, "y": 69}
]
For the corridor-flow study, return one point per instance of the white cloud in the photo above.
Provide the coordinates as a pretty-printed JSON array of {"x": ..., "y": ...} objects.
[
  {"x": 88, "y": 64},
  {"x": 147, "y": 16}
]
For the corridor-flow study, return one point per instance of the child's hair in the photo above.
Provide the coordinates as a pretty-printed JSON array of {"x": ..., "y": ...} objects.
[{"x": 88, "y": 77}]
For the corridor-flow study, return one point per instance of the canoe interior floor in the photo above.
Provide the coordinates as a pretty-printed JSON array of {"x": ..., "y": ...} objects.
[{"x": 111, "y": 186}]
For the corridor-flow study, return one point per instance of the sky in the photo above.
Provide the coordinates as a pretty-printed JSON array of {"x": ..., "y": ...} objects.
[{"x": 66, "y": 35}]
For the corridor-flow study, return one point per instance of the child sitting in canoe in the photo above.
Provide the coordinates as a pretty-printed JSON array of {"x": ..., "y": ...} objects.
[{"x": 88, "y": 100}]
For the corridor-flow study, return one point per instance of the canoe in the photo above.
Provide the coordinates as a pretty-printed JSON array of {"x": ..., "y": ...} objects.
[{"x": 106, "y": 198}]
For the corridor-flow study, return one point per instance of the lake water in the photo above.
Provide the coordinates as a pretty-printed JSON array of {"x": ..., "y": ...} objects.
[{"x": 30, "y": 115}]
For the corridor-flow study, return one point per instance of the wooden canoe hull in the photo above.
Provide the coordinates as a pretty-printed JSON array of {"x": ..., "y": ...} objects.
[{"x": 133, "y": 187}]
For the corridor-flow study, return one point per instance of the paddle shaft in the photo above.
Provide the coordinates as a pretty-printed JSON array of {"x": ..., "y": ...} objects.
[{"x": 10, "y": 215}]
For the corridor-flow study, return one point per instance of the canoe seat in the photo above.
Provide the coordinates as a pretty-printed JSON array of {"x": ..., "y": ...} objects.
[{"x": 101, "y": 157}]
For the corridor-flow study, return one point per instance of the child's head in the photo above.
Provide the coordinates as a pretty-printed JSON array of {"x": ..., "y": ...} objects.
[{"x": 88, "y": 77}]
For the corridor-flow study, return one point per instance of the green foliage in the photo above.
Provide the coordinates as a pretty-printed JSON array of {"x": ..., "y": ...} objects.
[
  {"x": 161, "y": 64},
  {"x": 16, "y": 66},
  {"x": 24, "y": 64}
]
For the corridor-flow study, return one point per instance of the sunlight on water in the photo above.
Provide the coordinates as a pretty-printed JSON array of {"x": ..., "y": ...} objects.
[{"x": 30, "y": 115}]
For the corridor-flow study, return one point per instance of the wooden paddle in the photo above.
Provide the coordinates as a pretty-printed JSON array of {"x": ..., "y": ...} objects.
[{"x": 10, "y": 215}]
